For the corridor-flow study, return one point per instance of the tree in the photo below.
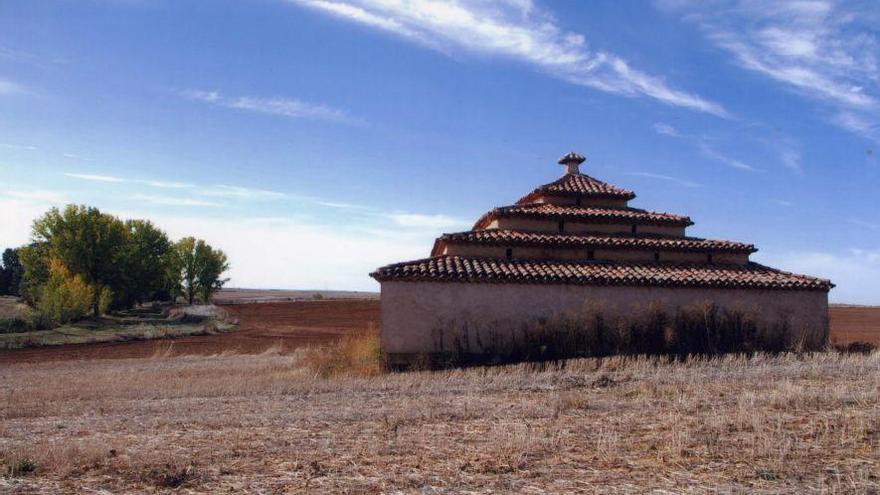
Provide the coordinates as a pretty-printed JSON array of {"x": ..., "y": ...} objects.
[
  {"x": 144, "y": 259},
  {"x": 89, "y": 243},
  {"x": 196, "y": 268},
  {"x": 13, "y": 271},
  {"x": 213, "y": 264},
  {"x": 35, "y": 261}
]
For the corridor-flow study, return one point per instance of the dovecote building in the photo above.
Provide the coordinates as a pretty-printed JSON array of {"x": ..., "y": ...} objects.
[{"x": 576, "y": 243}]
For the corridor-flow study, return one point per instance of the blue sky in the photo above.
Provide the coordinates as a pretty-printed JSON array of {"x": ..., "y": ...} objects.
[{"x": 315, "y": 140}]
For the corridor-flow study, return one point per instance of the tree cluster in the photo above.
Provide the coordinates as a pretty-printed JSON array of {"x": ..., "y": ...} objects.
[
  {"x": 11, "y": 272},
  {"x": 82, "y": 261}
]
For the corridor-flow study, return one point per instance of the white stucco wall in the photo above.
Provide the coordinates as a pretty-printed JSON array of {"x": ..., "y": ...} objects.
[{"x": 413, "y": 312}]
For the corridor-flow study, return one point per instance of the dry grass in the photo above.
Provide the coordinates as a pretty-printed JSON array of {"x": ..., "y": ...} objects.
[
  {"x": 357, "y": 353},
  {"x": 268, "y": 424}
]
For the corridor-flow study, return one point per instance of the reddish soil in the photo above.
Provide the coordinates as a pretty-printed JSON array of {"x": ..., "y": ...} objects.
[
  {"x": 278, "y": 326},
  {"x": 855, "y": 324},
  {"x": 284, "y": 326}
]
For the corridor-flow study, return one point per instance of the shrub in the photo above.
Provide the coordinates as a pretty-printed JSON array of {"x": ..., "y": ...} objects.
[
  {"x": 14, "y": 325},
  {"x": 355, "y": 354},
  {"x": 21, "y": 467},
  {"x": 702, "y": 329},
  {"x": 64, "y": 297}
]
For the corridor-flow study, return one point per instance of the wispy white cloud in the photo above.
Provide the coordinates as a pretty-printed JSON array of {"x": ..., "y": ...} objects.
[
  {"x": 29, "y": 58},
  {"x": 710, "y": 152},
  {"x": 171, "y": 200},
  {"x": 13, "y": 146},
  {"x": 343, "y": 206},
  {"x": 782, "y": 202},
  {"x": 282, "y": 107},
  {"x": 8, "y": 87},
  {"x": 826, "y": 50},
  {"x": 217, "y": 190},
  {"x": 167, "y": 185},
  {"x": 667, "y": 178},
  {"x": 861, "y": 124},
  {"x": 224, "y": 191},
  {"x": 96, "y": 178},
  {"x": 420, "y": 221},
  {"x": 665, "y": 129},
  {"x": 791, "y": 159},
  {"x": 861, "y": 223},
  {"x": 34, "y": 195},
  {"x": 786, "y": 150},
  {"x": 516, "y": 29}
]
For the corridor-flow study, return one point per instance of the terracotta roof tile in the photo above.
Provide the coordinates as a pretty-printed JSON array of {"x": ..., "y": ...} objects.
[
  {"x": 518, "y": 238},
  {"x": 475, "y": 270},
  {"x": 586, "y": 214},
  {"x": 580, "y": 185}
]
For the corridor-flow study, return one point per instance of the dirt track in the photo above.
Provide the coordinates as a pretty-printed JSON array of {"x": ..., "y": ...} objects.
[
  {"x": 282, "y": 326},
  {"x": 287, "y": 325}
]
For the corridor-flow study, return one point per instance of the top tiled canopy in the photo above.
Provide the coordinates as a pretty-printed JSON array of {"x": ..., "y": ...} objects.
[
  {"x": 579, "y": 185},
  {"x": 608, "y": 244}
]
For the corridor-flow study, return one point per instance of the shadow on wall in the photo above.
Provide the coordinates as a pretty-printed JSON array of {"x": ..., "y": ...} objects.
[{"x": 702, "y": 329}]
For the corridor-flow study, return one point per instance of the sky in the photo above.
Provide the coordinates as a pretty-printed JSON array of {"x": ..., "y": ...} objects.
[{"x": 316, "y": 140}]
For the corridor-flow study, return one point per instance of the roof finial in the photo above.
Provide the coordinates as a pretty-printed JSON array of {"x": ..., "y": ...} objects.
[{"x": 571, "y": 160}]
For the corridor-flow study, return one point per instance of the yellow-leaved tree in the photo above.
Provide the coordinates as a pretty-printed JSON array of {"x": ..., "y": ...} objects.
[{"x": 65, "y": 297}]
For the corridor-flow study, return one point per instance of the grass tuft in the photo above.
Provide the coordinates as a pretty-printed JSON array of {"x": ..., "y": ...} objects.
[
  {"x": 21, "y": 467},
  {"x": 357, "y": 354}
]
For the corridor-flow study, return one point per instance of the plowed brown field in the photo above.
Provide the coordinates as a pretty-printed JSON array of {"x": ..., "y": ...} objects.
[
  {"x": 284, "y": 326},
  {"x": 855, "y": 324},
  {"x": 281, "y": 327}
]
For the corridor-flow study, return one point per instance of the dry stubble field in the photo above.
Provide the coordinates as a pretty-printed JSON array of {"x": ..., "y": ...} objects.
[
  {"x": 239, "y": 413},
  {"x": 264, "y": 424}
]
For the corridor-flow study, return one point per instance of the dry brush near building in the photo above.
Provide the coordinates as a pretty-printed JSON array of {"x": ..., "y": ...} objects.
[{"x": 572, "y": 269}]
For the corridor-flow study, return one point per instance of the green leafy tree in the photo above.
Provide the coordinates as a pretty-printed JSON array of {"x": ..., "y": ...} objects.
[
  {"x": 144, "y": 261},
  {"x": 89, "y": 243},
  {"x": 13, "y": 271},
  {"x": 35, "y": 262},
  {"x": 212, "y": 266},
  {"x": 196, "y": 268}
]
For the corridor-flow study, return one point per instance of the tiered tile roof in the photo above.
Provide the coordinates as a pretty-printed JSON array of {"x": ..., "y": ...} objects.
[
  {"x": 466, "y": 269},
  {"x": 553, "y": 202}
]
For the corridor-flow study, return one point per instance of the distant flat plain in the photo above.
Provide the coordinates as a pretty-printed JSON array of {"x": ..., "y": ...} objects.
[{"x": 285, "y": 320}]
